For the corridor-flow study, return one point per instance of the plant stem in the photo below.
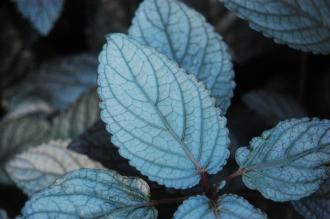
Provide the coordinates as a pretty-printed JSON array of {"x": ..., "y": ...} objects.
[
  {"x": 239, "y": 172},
  {"x": 205, "y": 183}
]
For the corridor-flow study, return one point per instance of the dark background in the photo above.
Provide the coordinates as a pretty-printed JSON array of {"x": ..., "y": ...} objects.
[{"x": 258, "y": 64}]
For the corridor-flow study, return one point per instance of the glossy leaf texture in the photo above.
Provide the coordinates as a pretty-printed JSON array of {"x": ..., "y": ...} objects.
[
  {"x": 316, "y": 206},
  {"x": 77, "y": 117},
  {"x": 273, "y": 106},
  {"x": 71, "y": 75},
  {"x": 288, "y": 161},
  {"x": 95, "y": 142},
  {"x": 42, "y": 13},
  {"x": 228, "y": 206},
  {"x": 161, "y": 119},
  {"x": 88, "y": 193},
  {"x": 39, "y": 167},
  {"x": 183, "y": 35},
  {"x": 302, "y": 25}
]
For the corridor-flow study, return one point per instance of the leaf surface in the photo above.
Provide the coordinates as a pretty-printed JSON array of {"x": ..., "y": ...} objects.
[
  {"x": 287, "y": 162},
  {"x": 88, "y": 194},
  {"x": 42, "y": 13},
  {"x": 183, "y": 35},
  {"x": 227, "y": 207},
  {"x": 39, "y": 167},
  {"x": 77, "y": 117},
  {"x": 302, "y": 25},
  {"x": 161, "y": 119},
  {"x": 316, "y": 206}
]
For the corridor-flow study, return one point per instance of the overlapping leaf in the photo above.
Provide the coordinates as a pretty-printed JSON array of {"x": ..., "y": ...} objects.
[
  {"x": 317, "y": 206},
  {"x": 77, "y": 118},
  {"x": 184, "y": 36},
  {"x": 287, "y": 162},
  {"x": 60, "y": 81},
  {"x": 92, "y": 194},
  {"x": 39, "y": 167},
  {"x": 303, "y": 24},
  {"x": 42, "y": 13},
  {"x": 227, "y": 207},
  {"x": 161, "y": 119},
  {"x": 95, "y": 142}
]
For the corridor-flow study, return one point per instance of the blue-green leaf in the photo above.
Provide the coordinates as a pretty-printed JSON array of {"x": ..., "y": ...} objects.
[
  {"x": 161, "y": 119},
  {"x": 303, "y": 24},
  {"x": 227, "y": 207},
  {"x": 183, "y": 35},
  {"x": 42, "y": 13},
  {"x": 287, "y": 162},
  {"x": 88, "y": 194},
  {"x": 316, "y": 206},
  {"x": 39, "y": 167}
]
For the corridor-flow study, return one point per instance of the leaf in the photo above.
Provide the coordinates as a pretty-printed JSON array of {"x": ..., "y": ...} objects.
[
  {"x": 70, "y": 75},
  {"x": 317, "y": 206},
  {"x": 3, "y": 214},
  {"x": 302, "y": 25},
  {"x": 39, "y": 167},
  {"x": 17, "y": 135},
  {"x": 287, "y": 162},
  {"x": 77, "y": 118},
  {"x": 184, "y": 36},
  {"x": 161, "y": 119},
  {"x": 92, "y": 194},
  {"x": 227, "y": 207},
  {"x": 42, "y": 14},
  {"x": 95, "y": 142},
  {"x": 273, "y": 106}
]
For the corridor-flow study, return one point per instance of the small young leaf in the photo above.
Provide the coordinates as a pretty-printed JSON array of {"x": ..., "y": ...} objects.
[
  {"x": 77, "y": 118},
  {"x": 303, "y": 24},
  {"x": 287, "y": 162},
  {"x": 42, "y": 13},
  {"x": 60, "y": 81},
  {"x": 95, "y": 142},
  {"x": 39, "y": 167},
  {"x": 92, "y": 194},
  {"x": 317, "y": 206},
  {"x": 184, "y": 36},
  {"x": 228, "y": 207},
  {"x": 161, "y": 119}
]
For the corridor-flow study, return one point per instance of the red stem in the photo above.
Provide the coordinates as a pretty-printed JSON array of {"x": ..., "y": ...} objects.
[
  {"x": 239, "y": 172},
  {"x": 167, "y": 201}
]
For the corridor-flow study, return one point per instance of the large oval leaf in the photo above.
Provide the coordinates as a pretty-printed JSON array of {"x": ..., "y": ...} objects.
[
  {"x": 184, "y": 36},
  {"x": 39, "y": 167},
  {"x": 42, "y": 13},
  {"x": 162, "y": 119},
  {"x": 92, "y": 194},
  {"x": 316, "y": 206},
  {"x": 227, "y": 207},
  {"x": 286, "y": 162},
  {"x": 303, "y": 24}
]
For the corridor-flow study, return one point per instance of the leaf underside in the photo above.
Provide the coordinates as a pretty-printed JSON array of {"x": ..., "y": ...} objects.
[
  {"x": 42, "y": 13},
  {"x": 303, "y": 25},
  {"x": 287, "y": 162},
  {"x": 39, "y": 167},
  {"x": 161, "y": 119},
  {"x": 89, "y": 193},
  {"x": 183, "y": 35},
  {"x": 228, "y": 207}
]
